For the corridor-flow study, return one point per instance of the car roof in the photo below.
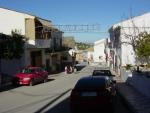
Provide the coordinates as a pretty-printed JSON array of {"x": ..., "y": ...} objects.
[
  {"x": 101, "y": 72},
  {"x": 91, "y": 82}
]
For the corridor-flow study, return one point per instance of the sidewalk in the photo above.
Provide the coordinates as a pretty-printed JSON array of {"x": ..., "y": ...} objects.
[{"x": 135, "y": 100}]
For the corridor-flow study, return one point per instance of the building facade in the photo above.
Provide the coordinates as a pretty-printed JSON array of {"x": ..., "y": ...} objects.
[
  {"x": 121, "y": 37},
  {"x": 43, "y": 40},
  {"x": 99, "y": 51}
]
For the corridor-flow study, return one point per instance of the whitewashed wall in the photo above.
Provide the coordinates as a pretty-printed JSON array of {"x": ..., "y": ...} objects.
[
  {"x": 128, "y": 56},
  {"x": 99, "y": 47},
  {"x": 132, "y": 27},
  {"x": 90, "y": 54},
  {"x": 11, "y": 20}
]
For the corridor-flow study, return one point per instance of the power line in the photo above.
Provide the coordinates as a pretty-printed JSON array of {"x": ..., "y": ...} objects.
[{"x": 93, "y": 28}]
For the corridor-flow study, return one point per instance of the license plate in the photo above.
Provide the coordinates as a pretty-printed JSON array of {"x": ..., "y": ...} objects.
[{"x": 89, "y": 94}]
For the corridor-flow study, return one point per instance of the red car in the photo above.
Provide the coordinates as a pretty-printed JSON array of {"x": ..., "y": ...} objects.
[
  {"x": 92, "y": 93},
  {"x": 30, "y": 76}
]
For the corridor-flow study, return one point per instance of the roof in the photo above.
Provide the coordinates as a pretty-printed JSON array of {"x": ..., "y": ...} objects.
[
  {"x": 24, "y": 13},
  {"x": 129, "y": 19},
  {"x": 45, "y": 22},
  {"x": 99, "y": 41}
]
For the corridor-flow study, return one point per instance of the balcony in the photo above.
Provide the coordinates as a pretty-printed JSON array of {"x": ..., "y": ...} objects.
[{"x": 39, "y": 43}]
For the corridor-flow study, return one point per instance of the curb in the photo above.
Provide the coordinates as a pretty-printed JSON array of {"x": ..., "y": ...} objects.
[{"x": 54, "y": 75}]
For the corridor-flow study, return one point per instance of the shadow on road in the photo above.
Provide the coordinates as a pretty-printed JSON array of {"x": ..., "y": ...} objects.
[
  {"x": 80, "y": 67},
  {"x": 50, "y": 79},
  {"x": 64, "y": 107},
  {"x": 8, "y": 87}
]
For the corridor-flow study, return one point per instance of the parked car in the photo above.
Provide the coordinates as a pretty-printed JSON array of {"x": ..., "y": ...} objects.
[
  {"x": 30, "y": 76},
  {"x": 92, "y": 93},
  {"x": 104, "y": 72}
]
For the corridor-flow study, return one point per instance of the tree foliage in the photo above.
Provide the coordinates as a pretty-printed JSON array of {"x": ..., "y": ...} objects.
[
  {"x": 82, "y": 46},
  {"x": 143, "y": 47},
  {"x": 11, "y": 46}
]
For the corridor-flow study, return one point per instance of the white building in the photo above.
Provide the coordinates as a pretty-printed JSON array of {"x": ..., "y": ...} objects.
[
  {"x": 99, "y": 51},
  {"x": 90, "y": 54},
  {"x": 121, "y": 35},
  {"x": 42, "y": 38}
]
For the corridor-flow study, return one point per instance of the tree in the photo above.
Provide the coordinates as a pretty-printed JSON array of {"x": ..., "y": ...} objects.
[
  {"x": 133, "y": 33},
  {"x": 11, "y": 46},
  {"x": 143, "y": 47}
]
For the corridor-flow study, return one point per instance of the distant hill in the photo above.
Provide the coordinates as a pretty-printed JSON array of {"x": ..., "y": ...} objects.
[{"x": 83, "y": 46}]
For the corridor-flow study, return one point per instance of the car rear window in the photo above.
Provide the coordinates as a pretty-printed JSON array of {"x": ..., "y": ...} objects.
[
  {"x": 91, "y": 83},
  {"x": 28, "y": 71},
  {"x": 102, "y": 72}
]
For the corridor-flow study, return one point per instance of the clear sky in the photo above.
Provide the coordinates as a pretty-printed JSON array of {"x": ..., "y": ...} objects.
[{"x": 102, "y": 12}]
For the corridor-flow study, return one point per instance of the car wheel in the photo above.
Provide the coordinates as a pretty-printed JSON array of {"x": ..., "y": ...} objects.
[{"x": 31, "y": 83}]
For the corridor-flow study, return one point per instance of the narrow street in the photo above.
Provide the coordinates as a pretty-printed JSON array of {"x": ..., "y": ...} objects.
[{"x": 50, "y": 97}]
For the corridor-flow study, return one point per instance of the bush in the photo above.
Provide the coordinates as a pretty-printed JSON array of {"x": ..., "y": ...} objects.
[{"x": 148, "y": 65}]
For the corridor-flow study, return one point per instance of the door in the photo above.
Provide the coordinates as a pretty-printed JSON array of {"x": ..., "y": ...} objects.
[{"x": 36, "y": 58}]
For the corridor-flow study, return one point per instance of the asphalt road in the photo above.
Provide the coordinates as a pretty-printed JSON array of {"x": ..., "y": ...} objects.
[{"x": 50, "y": 97}]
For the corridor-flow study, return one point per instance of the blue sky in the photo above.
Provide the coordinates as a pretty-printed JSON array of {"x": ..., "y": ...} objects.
[{"x": 102, "y": 12}]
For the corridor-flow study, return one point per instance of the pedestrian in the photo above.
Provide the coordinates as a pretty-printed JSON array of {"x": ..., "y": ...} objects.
[
  {"x": 66, "y": 70},
  {"x": 70, "y": 69}
]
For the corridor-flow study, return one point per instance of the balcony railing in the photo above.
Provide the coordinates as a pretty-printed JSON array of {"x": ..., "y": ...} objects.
[{"x": 39, "y": 43}]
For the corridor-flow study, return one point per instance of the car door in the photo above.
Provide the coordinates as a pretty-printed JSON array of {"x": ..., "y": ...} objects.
[
  {"x": 36, "y": 76},
  {"x": 40, "y": 75}
]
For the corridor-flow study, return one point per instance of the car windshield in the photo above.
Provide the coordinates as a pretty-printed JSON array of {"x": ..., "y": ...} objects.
[
  {"x": 101, "y": 73},
  {"x": 27, "y": 71}
]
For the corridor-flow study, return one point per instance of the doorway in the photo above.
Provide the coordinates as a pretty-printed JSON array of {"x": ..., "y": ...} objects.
[{"x": 36, "y": 58}]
